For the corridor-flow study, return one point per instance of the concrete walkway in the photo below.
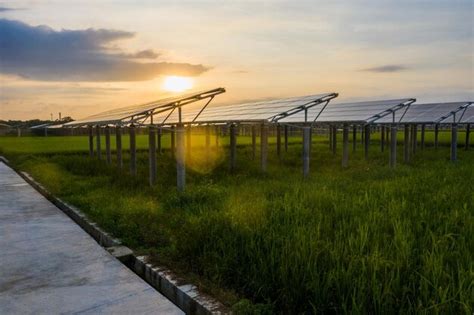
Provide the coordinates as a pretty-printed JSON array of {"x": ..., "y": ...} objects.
[{"x": 49, "y": 265}]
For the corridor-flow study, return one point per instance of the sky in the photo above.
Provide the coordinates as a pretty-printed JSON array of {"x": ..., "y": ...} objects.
[{"x": 84, "y": 57}]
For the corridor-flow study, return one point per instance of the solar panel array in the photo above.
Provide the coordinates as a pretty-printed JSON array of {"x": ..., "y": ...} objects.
[
  {"x": 426, "y": 113},
  {"x": 117, "y": 116},
  {"x": 259, "y": 111},
  {"x": 464, "y": 116},
  {"x": 357, "y": 112}
]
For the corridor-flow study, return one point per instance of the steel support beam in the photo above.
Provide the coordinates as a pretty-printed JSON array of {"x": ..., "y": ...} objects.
[
  {"x": 354, "y": 138},
  {"x": 345, "y": 145},
  {"x": 454, "y": 142},
  {"x": 180, "y": 158},
  {"x": 152, "y": 155},
  {"x": 133, "y": 151},
  {"x": 158, "y": 140},
  {"x": 91, "y": 142},
  {"x": 393, "y": 145},
  {"x": 468, "y": 131},
  {"x": 422, "y": 144},
  {"x": 415, "y": 138},
  {"x": 264, "y": 147},
  {"x": 366, "y": 141},
  {"x": 436, "y": 136},
  {"x": 173, "y": 141},
  {"x": 233, "y": 146},
  {"x": 406, "y": 144},
  {"x": 278, "y": 136},
  {"x": 306, "y": 150},
  {"x": 334, "y": 140},
  {"x": 97, "y": 136},
  {"x": 108, "y": 154},
  {"x": 254, "y": 141},
  {"x": 382, "y": 138},
  {"x": 118, "y": 145},
  {"x": 286, "y": 138}
]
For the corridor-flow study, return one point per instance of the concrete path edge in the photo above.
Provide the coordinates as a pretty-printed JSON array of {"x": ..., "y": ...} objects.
[{"x": 184, "y": 295}]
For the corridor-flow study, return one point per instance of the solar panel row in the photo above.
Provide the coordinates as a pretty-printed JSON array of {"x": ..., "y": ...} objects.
[{"x": 310, "y": 108}]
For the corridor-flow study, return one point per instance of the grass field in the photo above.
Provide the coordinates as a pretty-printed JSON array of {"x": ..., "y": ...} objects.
[{"x": 366, "y": 239}]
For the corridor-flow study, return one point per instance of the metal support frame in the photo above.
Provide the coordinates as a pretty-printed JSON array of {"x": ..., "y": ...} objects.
[
  {"x": 414, "y": 138},
  {"x": 254, "y": 142},
  {"x": 393, "y": 145},
  {"x": 382, "y": 138},
  {"x": 118, "y": 145},
  {"x": 278, "y": 140},
  {"x": 306, "y": 150},
  {"x": 334, "y": 139},
  {"x": 152, "y": 155},
  {"x": 233, "y": 146},
  {"x": 454, "y": 141},
  {"x": 286, "y": 138},
  {"x": 436, "y": 136},
  {"x": 264, "y": 147},
  {"x": 422, "y": 142},
  {"x": 345, "y": 145},
  {"x": 159, "y": 134},
  {"x": 366, "y": 141},
  {"x": 180, "y": 158},
  {"x": 98, "y": 149},
  {"x": 330, "y": 130},
  {"x": 108, "y": 154},
  {"x": 133, "y": 151},
  {"x": 354, "y": 138},
  {"x": 406, "y": 144},
  {"x": 468, "y": 131},
  {"x": 91, "y": 141}
]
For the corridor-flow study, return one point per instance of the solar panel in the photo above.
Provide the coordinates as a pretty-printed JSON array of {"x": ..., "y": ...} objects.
[
  {"x": 426, "y": 113},
  {"x": 464, "y": 116},
  {"x": 129, "y": 114},
  {"x": 260, "y": 111},
  {"x": 357, "y": 112}
]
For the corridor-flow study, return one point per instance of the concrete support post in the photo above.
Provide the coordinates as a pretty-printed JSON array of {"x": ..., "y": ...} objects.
[
  {"x": 233, "y": 146},
  {"x": 422, "y": 144},
  {"x": 286, "y": 138},
  {"x": 362, "y": 134},
  {"x": 133, "y": 151},
  {"x": 91, "y": 142},
  {"x": 118, "y": 145},
  {"x": 97, "y": 136},
  {"x": 158, "y": 140},
  {"x": 306, "y": 150},
  {"x": 382, "y": 138},
  {"x": 468, "y": 131},
  {"x": 108, "y": 153},
  {"x": 406, "y": 144},
  {"x": 278, "y": 136},
  {"x": 254, "y": 141},
  {"x": 173, "y": 141},
  {"x": 366, "y": 141},
  {"x": 345, "y": 145},
  {"x": 180, "y": 158},
  {"x": 354, "y": 138},
  {"x": 334, "y": 139},
  {"x": 393, "y": 145},
  {"x": 454, "y": 142},
  {"x": 436, "y": 136},
  {"x": 152, "y": 155},
  {"x": 264, "y": 147}
]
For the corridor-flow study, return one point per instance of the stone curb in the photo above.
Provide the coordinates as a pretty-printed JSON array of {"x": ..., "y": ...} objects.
[{"x": 186, "y": 296}]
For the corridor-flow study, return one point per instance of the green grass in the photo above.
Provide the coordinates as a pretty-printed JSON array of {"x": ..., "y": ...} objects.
[{"x": 366, "y": 239}]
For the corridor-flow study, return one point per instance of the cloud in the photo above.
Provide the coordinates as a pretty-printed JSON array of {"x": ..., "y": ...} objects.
[
  {"x": 3, "y": 9},
  {"x": 41, "y": 53},
  {"x": 386, "y": 69}
]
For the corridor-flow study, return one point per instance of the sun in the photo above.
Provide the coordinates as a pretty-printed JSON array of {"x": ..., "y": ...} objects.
[{"x": 177, "y": 84}]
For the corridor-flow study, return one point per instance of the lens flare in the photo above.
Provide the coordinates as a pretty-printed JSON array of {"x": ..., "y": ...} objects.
[{"x": 177, "y": 84}]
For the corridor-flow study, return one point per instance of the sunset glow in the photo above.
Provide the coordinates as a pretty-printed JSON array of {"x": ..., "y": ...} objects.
[{"x": 177, "y": 84}]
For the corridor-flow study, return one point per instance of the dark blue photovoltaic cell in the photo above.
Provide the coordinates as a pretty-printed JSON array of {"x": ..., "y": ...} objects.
[
  {"x": 426, "y": 113},
  {"x": 357, "y": 112}
]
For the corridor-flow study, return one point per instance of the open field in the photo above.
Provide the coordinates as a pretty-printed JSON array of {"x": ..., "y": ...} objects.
[{"x": 366, "y": 239}]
